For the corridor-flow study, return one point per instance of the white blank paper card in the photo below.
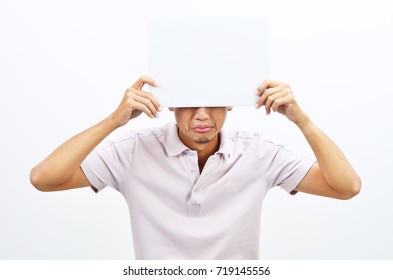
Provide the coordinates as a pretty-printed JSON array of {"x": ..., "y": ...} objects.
[{"x": 207, "y": 62}]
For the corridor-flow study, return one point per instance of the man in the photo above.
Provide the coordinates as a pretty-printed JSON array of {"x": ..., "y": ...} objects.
[{"x": 194, "y": 191}]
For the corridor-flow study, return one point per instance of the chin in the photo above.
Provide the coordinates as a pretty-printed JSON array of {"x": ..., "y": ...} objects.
[{"x": 202, "y": 141}]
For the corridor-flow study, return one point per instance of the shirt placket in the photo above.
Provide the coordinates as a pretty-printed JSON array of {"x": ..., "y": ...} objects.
[
  {"x": 192, "y": 170},
  {"x": 195, "y": 202}
]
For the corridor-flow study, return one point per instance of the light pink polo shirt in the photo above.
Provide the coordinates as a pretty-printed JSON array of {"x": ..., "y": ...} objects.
[{"x": 177, "y": 213}]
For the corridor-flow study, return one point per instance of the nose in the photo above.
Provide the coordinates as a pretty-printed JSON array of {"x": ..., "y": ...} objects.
[{"x": 201, "y": 113}]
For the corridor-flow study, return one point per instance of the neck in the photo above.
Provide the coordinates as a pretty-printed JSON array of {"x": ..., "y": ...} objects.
[{"x": 205, "y": 150}]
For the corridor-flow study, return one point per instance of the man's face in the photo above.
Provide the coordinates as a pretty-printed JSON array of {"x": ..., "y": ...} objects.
[{"x": 200, "y": 125}]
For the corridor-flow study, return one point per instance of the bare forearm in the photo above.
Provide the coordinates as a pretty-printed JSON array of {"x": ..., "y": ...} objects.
[
  {"x": 62, "y": 163},
  {"x": 335, "y": 168}
]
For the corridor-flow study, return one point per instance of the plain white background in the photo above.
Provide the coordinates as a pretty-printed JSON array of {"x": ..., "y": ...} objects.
[{"x": 64, "y": 65}]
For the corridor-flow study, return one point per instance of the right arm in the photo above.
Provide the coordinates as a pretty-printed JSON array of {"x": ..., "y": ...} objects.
[{"x": 61, "y": 169}]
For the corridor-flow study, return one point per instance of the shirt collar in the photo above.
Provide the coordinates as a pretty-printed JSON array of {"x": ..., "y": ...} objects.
[
  {"x": 174, "y": 146},
  {"x": 226, "y": 144}
]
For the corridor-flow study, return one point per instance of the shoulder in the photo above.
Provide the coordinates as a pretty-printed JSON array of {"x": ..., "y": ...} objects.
[
  {"x": 128, "y": 137},
  {"x": 253, "y": 144},
  {"x": 247, "y": 137}
]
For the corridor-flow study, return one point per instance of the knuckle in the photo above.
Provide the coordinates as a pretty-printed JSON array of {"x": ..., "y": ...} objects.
[
  {"x": 130, "y": 91},
  {"x": 130, "y": 101},
  {"x": 144, "y": 78},
  {"x": 129, "y": 96},
  {"x": 286, "y": 91},
  {"x": 150, "y": 95},
  {"x": 149, "y": 103}
]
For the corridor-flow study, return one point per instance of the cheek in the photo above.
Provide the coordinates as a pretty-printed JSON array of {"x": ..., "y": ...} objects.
[
  {"x": 220, "y": 118},
  {"x": 181, "y": 120}
]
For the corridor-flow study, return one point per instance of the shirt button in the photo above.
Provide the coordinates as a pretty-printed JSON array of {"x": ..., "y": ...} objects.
[{"x": 192, "y": 171}]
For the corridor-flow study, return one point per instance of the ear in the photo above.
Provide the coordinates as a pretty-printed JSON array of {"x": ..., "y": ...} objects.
[
  {"x": 230, "y": 108},
  {"x": 170, "y": 109}
]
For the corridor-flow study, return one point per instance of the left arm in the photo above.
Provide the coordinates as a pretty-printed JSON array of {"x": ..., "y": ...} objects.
[{"x": 332, "y": 175}]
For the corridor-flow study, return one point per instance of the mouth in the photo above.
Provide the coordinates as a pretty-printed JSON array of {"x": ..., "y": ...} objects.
[{"x": 202, "y": 128}]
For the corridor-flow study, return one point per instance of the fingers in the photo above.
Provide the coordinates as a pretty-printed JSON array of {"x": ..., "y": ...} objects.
[
  {"x": 136, "y": 101},
  {"x": 273, "y": 94},
  {"x": 149, "y": 99},
  {"x": 281, "y": 101},
  {"x": 143, "y": 101},
  {"x": 140, "y": 105},
  {"x": 267, "y": 84},
  {"x": 148, "y": 106},
  {"x": 272, "y": 99},
  {"x": 266, "y": 89},
  {"x": 144, "y": 80}
]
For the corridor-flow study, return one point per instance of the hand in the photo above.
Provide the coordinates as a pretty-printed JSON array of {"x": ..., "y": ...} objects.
[
  {"x": 136, "y": 101},
  {"x": 278, "y": 96}
]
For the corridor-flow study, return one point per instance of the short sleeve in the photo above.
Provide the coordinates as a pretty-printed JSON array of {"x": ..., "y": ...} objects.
[
  {"x": 285, "y": 168},
  {"x": 108, "y": 164}
]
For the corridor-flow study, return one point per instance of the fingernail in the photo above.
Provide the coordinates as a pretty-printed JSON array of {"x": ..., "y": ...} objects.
[
  {"x": 159, "y": 109},
  {"x": 155, "y": 84},
  {"x": 257, "y": 92}
]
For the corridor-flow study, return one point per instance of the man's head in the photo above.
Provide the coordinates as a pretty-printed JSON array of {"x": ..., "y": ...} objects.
[{"x": 199, "y": 126}]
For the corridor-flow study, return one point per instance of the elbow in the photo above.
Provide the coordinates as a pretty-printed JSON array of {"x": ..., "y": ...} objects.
[
  {"x": 353, "y": 189},
  {"x": 37, "y": 179}
]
